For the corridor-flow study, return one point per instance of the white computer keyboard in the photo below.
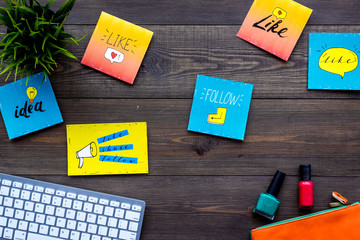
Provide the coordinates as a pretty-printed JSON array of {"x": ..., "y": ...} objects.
[{"x": 36, "y": 210}]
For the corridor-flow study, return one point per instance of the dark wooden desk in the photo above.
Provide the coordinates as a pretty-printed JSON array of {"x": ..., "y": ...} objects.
[{"x": 200, "y": 186}]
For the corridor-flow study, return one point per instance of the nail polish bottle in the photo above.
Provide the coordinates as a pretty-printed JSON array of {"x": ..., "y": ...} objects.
[
  {"x": 268, "y": 203},
  {"x": 306, "y": 192}
]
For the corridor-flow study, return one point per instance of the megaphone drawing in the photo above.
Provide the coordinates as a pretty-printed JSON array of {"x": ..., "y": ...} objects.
[{"x": 87, "y": 152}]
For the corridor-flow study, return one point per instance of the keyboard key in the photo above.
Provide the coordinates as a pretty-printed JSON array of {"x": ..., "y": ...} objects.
[
  {"x": 60, "y": 193},
  {"x": 133, "y": 226},
  {"x": 71, "y": 195},
  {"x": 44, "y": 229},
  {"x": 112, "y": 222},
  {"x": 12, "y": 223},
  {"x": 1, "y": 210},
  {"x": 88, "y": 207},
  {"x": 113, "y": 232},
  {"x": 29, "y": 206},
  {"x": 8, "y": 233},
  {"x": 133, "y": 216},
  {"x": 33, "y": 227},
  {"x": 4, "y": 191},
  {"x": 50, "y": 220},
  {"x": 60, "y": 212},
  {"x": 50, "y": 210},
  {"x": 56, "y": 201},
  {"x": 126, "y": 235},
  {"x": 70, "y": 214},
  {"x": 93, "y": 237},
  {"x": 35, "y": 197},
  {"x": 91, "y": 218},
  {"x": 77, "y": 205},
  {"x": 19, "y": 214},
  {"x": 115, "y": 204},
  {"x": 9, "y": 212},
  {"x": 136, "y": 208},
  {"x": 67, "y": 203},
  {"x": 60, "y": 222},
  {"x": 35, "y": 236},
  {"x": 17, "y": 184},
  {"x": 123, "y": 224},
  {"x": 25, "y": 195},
  {"x": 102, "y": 220},
  {"x": 71, "y": 224},
  {"x": 125, "y": 205},
  {"x": 81, "y": 216},
  {"x": 81, "y": 226},
  {"x": 64, "y": 233},
  {"x": 98, "y": 209},
  {"x": 8, "y": 202},
  {"x": 40, "y": 218},
  {"x": 23, "y": 225},
  {"x": 46, "y": 199},
  {"x": 85, "y": 236},
  {"x": 54, "y": 231},
  {"x": 103, "y": 231},
  {"x": 50, "y": 191},
  {"x": 28, "y": 187},
  {"x": 119, "y": 213},
  {"x": 93, "y": 199},
  {"x": 3, "y": 221},
  {"x": 82, "y": 197},
  {"x": 20, "y": 235},
  {"x": 104, "y": 201},
  {"x": 19, "y": 204},
  {"x": 92, "y": 228},
  {"x": 39, "y": 189},
  {"x": 109, "y": 211},
  {"x": 74, "y": 235},
  {"x": 39, "y": 208},
  {"x": 6, "y": 182},
  {"x": 29, "y": 216},
  {"x": 15, "y": 193}
]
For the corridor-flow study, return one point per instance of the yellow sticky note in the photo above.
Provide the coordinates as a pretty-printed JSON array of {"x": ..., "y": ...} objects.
[{"x": 110, "y": 148}]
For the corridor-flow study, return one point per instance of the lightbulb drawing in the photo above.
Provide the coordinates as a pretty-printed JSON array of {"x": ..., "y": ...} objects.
[
  {"x": 31, "y": 92},
  {"x": 87, "y": 152}
]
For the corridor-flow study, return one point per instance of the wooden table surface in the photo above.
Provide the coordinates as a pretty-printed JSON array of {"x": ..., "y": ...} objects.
[{"x": 201, "y": 186}]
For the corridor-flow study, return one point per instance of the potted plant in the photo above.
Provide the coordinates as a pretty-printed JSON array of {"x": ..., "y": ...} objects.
[{"x": 35, "y": 37}]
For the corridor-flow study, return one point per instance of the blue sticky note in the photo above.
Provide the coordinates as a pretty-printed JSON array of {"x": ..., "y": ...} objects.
[
  {"x": 28, "y": 108},
  {"x": 220, "y": 107},
  {"x": 333, "y": 61}
]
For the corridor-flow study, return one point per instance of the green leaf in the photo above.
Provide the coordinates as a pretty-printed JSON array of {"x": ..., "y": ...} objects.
[{"x": 62, "y": 51}]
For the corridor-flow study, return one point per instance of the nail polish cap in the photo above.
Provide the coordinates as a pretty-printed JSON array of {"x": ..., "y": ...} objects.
[
  {"x": 276, "y": 183},
  {"x": 305, "y": 172}
]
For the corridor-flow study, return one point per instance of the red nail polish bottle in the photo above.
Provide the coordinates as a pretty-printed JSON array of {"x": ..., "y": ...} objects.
[{"x": 306, "y": 192}]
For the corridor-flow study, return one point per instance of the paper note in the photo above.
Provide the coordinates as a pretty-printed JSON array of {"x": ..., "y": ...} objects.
[
  {"x": 117, "y": 47},
  {"x": 112, "y": 148},
  {"x": 28, "y": 108},
  {"x": 333, "y": 61},
  {"x": 220, "y": 107},
  {"x": 275, "y": 26}
]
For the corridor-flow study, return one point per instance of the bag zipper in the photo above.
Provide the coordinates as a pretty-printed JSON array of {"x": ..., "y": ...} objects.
[{"x": 305, "y": 216}]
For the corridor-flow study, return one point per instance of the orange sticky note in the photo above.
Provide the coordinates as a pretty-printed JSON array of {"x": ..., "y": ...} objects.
[
  {"x": 117, "y": 47},
  {"x": 275, "y": 26}
]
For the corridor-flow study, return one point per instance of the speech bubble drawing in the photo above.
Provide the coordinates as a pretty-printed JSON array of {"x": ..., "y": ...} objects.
[
  {"x": 114, "y": 55},
  {"x": 279, "y": 13},
  {"x": 338, "y": 61}
]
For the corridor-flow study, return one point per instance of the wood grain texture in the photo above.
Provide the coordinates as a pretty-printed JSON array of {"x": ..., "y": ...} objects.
[
  {"x": 201, "y": 12},
  {"x": 280, "y": 134},
  {"x": 208, "y": 207},
  {"x": 203, "y": 187},
  {"x": 178, "y": 53}
]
